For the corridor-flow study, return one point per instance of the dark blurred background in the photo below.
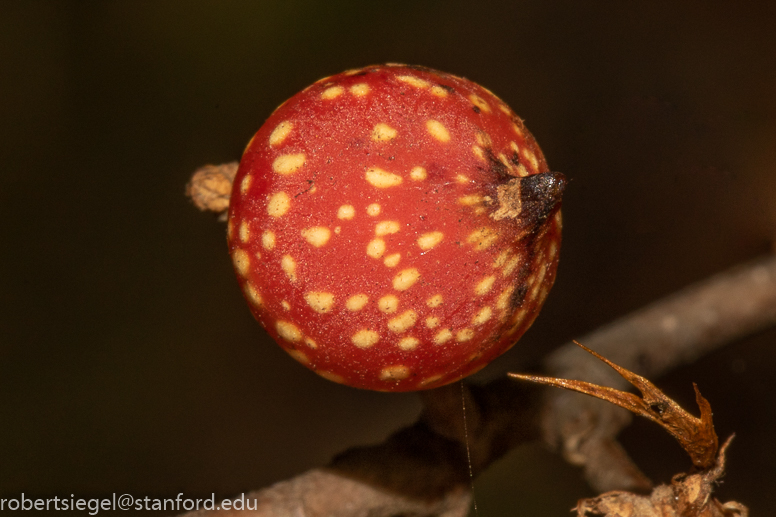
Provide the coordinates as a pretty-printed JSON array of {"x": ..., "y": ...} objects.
[{"x": 128, "y": 359}]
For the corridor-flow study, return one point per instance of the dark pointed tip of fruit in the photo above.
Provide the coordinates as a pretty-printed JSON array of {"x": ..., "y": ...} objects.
[
  {"x": 540, "y": 194},
  {"x": 543, "y": 189}
]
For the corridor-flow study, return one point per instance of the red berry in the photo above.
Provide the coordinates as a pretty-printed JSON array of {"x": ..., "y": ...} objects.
[{"x": 395, "y": 228}]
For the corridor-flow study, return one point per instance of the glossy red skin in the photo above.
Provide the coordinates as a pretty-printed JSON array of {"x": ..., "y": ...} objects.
[{"x": 334, "y": 133}]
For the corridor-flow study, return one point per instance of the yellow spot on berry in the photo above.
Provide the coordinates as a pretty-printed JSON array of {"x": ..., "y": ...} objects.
[
  {"x": 511, "y": 264},
  {"x": 418, "y": 174},
  {"x": 482, "y": 316},
  {"x": 245, "y": 231},
  {"x": 365, "y": 338},
  {"x": 310, "y": 342},
  {"x": 388, "y": 304},
  {"x": 331, "y": 376},
  {"x": 518, "y": 320},
  {"x": 434, "y": 301},
  {"x": 386, "y": 228},
  {"x": 503, "y": 159},
  {"x": 288, "y": 163},
  {"x": 253, "y": 296},
  {"x": 484, "y": 285},
  {"x": 534, "y": 291},
  {"x": 501, "y": 259},
  {"x": 320, "y": 301},
  {"x": 360, "y": 89},
  {"x": 482, "y": 238},
  {"x": 443, "y": 336},
  {"x": 471, "y": 200},
  {"x": 382, "y": 179},
  {"x": 430, "y": 380},
  {"x": 332, "y": 93},
  {"x": 439, "y": 91},
  {"x": 403, "y": 321},
  {"x": 286, "y": 306},
  {"x": 413, "y": 81},
  {"x": 373, "y": 210},
  {"x": 279, "y": 204},
  {"x": 245, "y": 184},
  {"x": 483, "y": 139},
  {"x": 478, "y": 152},
  {"x": 394, "y": 373},
  {"x": 517, "y": 130},
  {"x": 553, "y": 251},
  {"x": 502, "y": 302},
  {"x": 288, "y": 265},
  {"x": 432, "y": 322},
  {"x": 346, "y": 212},
  {"x": 405, "y": 279},
  {"x": 479, "y": 102},
  {"x": 438, "y": 131},
  {"x": 531, "y": 157},
  {"x": 356, "y": 302},
  {"x": 268, "y": 240},
  {"x": 280, "y": 133},
  {"x": 409, "y": 343},
  {"x": 317, "y": 235},
  {"x": 383, "y": 132},
  {"x": 298, "y": 355},
  {"x": 464, "y": 335},
  {"x": 288, "y": 331},
  {"x": 429, "y": 240},
  {"x": 392, "y": 260},
  {"x": 375, "y": 248},
  {"x": 241, "y": 261}
]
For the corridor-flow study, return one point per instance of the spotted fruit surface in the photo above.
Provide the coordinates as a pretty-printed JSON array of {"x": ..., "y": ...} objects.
[{"x": 395, "y": 228}]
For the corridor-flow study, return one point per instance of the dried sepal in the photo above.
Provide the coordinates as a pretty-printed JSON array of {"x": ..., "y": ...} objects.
[{"x": 695, "y": 435}]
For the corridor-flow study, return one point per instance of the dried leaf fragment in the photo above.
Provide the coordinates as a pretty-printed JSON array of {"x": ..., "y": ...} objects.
[
  {"x": 686, "y": 496},
  {"x": 211, "y": 185},
  {"x": 695, "y": 435}
]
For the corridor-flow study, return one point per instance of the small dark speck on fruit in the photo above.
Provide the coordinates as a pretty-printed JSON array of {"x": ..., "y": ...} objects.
[{"x": 518, "y": 295}]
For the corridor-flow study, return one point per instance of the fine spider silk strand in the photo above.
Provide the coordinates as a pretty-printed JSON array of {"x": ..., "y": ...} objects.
[{"x": 468, "y": 451}]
